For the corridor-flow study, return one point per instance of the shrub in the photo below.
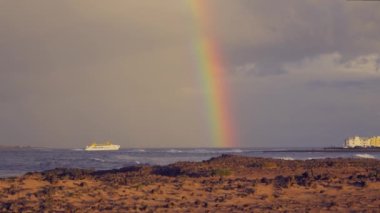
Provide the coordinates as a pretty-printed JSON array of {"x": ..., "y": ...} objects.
[
  {"x": 270, "y": 165},
  {"x": 221, "y": 172}
]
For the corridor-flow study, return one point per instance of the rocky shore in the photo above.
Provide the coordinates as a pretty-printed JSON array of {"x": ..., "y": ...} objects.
[{"x": 224, "y": 184}]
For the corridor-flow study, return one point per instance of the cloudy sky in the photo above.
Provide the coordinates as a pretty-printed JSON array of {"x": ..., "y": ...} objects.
[{"x": 301, "y": 72}]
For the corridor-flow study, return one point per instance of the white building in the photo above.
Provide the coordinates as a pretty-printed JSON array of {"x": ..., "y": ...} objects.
[{"x": 357, "y": 141}]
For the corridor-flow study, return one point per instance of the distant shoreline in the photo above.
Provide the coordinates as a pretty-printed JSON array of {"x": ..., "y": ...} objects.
[
  {"x": 5, "y": 147},
  {"x": 327, "y": 149}
]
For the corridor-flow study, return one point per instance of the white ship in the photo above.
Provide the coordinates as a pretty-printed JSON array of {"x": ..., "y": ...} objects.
[{"x": 108, "y": 146}]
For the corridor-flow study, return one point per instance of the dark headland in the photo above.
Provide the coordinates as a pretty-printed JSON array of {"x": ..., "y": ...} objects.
[{"x": 223, "y": 184}]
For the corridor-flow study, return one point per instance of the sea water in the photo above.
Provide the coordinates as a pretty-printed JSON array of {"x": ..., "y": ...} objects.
[{"x": 19, "y": 161}]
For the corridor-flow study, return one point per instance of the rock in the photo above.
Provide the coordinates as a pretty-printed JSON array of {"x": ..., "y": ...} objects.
[
  {"x": 266, "y": 181},
  {"x": 205, "y": 204},
  {"x": 171, "y": 171},
  {"x": 359, "y": 183},
  {"x": 282, "y": 182},
  {"x": 303, "y": 180},
  {"x": 249, "y": 191},
  {"x": 197, "y": 202},
  {"x": 327, "y": 204},
  {"x": 181, "y": 187}
]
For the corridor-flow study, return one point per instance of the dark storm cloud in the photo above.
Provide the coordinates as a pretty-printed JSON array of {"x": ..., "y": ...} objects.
[
  {"x": 330, "y": 90},
  {"x": 272, "y": 33},
  {"x": 301, "y": 72}
]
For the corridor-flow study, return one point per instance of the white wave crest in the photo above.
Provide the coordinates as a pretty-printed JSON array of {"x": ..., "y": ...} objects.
[
  {"x": 285, "y": 158},
  {"x": 365, "y": 156},
  {"x": 174, "y": 151},
  {"x": 98, "y": 159},
  {"x": 315, "y": 158}
]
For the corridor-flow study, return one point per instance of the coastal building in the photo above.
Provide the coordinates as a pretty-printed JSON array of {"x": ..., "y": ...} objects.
[
  {"x": 357, "y": 141},
  {"x": 374, "y": 141}
]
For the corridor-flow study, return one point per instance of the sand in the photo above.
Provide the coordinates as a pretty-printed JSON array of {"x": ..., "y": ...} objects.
[{"x": 223, "y": 184}]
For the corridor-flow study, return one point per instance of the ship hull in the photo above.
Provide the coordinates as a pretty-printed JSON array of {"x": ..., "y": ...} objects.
[{"x": 103, "y": 148}]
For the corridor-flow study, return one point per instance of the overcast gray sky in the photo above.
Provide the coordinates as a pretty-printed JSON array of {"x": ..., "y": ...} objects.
[{"x": 301, "y": 72}]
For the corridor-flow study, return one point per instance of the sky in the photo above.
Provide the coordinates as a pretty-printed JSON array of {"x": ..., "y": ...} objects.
[{"x": 300, "y": 73}]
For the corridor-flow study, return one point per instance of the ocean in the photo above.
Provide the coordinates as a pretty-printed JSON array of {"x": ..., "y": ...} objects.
[{"x": 14, "y": 162}]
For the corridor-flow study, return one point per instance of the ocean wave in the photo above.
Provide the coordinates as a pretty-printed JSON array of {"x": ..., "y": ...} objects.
[
  {"x": 285, "y": 158},
  {"x": 212, "y": 151},
  {"x": 123, "y": 157},
  {"x": 365, "y": 156},
  {"x": 134, "y": 150},
  {"x": 174, "y": 151},
  {"x": 98, "y": 159},
  {"x": 315, "y": 158},
  {"x": 234, "y": 151}
]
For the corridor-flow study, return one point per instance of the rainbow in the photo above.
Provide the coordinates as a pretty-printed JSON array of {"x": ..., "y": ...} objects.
[{"x": 213, "y": 76}]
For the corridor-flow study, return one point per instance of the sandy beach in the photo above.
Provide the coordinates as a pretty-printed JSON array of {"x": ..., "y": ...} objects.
[{"x": 224, "y": 184}]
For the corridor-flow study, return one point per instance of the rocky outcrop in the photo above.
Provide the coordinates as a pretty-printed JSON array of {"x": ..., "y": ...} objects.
[{"x": 224, "y": 184}]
